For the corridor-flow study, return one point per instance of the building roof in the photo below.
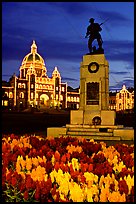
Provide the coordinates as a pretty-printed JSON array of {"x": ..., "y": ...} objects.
[
  {"x": 5, "y": 83},
  {"x": 70, "y": 89},
  {"x": 130, "y": 89},
  {"x": 112, "y": 93}
]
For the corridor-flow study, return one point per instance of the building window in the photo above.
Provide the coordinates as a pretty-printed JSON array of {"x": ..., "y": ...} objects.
[
  {"x": 61, "y": 97},
  {"x": 119, "y": 95},
  {"x": 32, "y": 95},
  {"x": 23, "y": 85},
  {"x": 62, "y": 89},
  {"x": 5, "y": 103},
  {"x": 32, "y": 86},
  {"x": 127, "y": 95},
  {"x": 57, "y": 88},
  {"x": 10, "y": 95},
  {"x": 19, "y": 85},
  {"x": 32, "y": 78},
  {"x": 6, "y": 94},
  {"x": 21, "y": 95},
  {"x": 36, "y": 95},
  {"x": 57, "y": 97}
]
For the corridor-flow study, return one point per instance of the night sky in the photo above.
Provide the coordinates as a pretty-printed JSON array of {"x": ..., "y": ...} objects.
[{"x": 59, "y": 29}]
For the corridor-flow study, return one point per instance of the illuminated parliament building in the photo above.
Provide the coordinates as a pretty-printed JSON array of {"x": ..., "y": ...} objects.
[{"x": 33, "y": 88}]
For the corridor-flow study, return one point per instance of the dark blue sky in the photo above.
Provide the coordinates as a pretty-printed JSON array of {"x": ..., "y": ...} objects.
[{"x": 59, "y": 30}]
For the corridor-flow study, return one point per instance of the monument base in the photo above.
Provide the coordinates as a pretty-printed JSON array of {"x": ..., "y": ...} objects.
[
  {"x": 93, "y": 120},
  {"x": 98, "y": 132},
  {"x": 86, "y": 117}
]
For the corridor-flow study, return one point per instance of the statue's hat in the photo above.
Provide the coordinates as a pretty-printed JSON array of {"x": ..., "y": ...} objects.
[{"x": 91, "y": 19}]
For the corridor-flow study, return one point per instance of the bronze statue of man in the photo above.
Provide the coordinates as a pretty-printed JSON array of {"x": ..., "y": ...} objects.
[{"x": 93, "y": 32}]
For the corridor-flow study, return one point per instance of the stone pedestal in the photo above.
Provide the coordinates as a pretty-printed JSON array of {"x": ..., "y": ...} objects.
[{"x": 94, "y": 92}]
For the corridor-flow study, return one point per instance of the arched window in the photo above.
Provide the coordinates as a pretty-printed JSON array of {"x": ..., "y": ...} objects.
[
  {"x": 10, "y": 95},
  {"x": 6, "y": 94},
  {"x": 21, "y": 95},
  {"x": 23, "y": 85},
  {"x": 19, "y": 85}
]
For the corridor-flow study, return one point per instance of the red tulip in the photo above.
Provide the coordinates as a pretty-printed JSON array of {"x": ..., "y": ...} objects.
[{"x": 26, "y": 195}]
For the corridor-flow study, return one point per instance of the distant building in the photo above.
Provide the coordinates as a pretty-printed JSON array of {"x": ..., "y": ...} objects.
[
  {"x": 73, "y": 96},
  {"x": 112, "y": 100},
  {"x": 125, "y": 99},
  {"x": 7, "y": 94}
]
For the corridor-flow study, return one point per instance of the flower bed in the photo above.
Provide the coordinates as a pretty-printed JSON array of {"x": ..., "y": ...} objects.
[{"x": 66, "y": 169}]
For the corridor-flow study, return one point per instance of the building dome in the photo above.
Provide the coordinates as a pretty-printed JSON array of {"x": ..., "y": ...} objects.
[
  {"x": 33, "y": 56},
  {"x": 33, "y": 59}
]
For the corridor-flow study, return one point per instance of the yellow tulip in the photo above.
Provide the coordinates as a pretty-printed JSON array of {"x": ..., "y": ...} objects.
[
  {"x": 130, "y": 182},
  {"x": 35, "y": 161},
  {"x": 76, "y": 193},
  {"x": 28, "y": 164}
]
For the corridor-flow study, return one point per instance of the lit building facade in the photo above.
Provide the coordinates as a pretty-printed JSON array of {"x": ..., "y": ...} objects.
[{"x": 124, "y": 99}]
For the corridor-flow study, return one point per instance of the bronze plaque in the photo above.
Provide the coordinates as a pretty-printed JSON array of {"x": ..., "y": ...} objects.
[{"x": 92, "y": 96}]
